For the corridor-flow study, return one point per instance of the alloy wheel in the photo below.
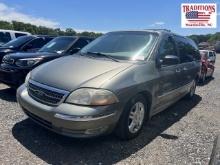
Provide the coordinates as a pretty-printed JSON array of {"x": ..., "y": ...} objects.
[{"x": 136, "y": 117}]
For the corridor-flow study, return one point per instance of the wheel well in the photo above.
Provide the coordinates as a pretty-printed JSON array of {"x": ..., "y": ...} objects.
[{"x": 147, "y": 95}]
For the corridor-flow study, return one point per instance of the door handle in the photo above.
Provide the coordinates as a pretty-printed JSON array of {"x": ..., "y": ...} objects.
[{"x": 178, "y": 70}]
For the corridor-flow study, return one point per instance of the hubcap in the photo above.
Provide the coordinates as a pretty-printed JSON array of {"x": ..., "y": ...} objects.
[{"x": 136, "y": 117}]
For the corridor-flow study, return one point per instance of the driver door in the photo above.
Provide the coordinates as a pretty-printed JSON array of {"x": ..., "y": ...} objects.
[{"x": 168, "y": 75}]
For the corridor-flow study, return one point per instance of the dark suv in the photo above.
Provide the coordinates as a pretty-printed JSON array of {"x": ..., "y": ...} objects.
[
  {"x": 15, "y": 66},
  {"x": 30, "y": 43},
  {"x": 115, "y": 83}
]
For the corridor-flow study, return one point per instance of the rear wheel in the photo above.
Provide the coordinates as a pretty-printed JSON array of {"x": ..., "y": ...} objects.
[
  {"x": 202, "y": 77},
  {"x": 132, "y": 118},
  {"x": 192, "y": 90},
  {"x": 212, "y": 74}
]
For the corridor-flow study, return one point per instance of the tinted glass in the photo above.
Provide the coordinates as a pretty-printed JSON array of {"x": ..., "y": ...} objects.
[
  {"x": 80, "y": 43},
  {"x": 123, "y": 45},
  {"x": 19, "y": 34},
  {"x": 211, "y": 54},
  {"x": 4, "y": 37},
  {"x": 167, "y": 47},
  {"x": 58, "y": 45},
  {"x": 18, "y": 41},
  {"x": 36, "y": 43},
  {"x": 187, "y": 49}
]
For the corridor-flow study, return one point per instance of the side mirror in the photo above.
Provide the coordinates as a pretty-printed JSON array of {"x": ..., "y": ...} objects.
[
  {"x": 169, "y": 60},
  {"x": 74, "y": 50}
]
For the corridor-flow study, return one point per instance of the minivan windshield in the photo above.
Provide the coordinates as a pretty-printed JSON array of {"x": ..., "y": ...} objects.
[
  {"x": 58, "y": 45},
  {"x": 18, "y": 42},
  {"x": 131, "y": 45}
]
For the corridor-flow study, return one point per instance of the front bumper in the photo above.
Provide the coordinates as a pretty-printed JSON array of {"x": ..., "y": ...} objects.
[
  {"x": 70, "y": 120},
  {"x": 12, "y": 77}
]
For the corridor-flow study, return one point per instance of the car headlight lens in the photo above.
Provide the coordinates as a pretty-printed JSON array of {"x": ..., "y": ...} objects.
[
  {"x": 27, "y": 62},
  {"x": 27, "y": 78},
  {"x": 7, "y": 50},
  {"x": 89, "y": 96}
]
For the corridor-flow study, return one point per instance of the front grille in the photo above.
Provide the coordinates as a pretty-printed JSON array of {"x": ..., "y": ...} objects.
[{"x": 46, "y": 94}]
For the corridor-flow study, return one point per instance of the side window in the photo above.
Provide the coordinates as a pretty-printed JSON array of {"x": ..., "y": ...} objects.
[
  {"x": 4, "y": 37},
  {"x": 19, "y": 34},
  {"x": 80, "y": 43},
  {"x": 167, "y": 47},
  {"x": 186, "y": 50}
]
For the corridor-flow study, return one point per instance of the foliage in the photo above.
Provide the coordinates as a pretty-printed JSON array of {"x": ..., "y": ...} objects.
[
  {"x": 211, "y": 38},
  {"x": 41, "y": 30}
]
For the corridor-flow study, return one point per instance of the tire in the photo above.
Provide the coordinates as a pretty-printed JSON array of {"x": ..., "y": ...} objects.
[
  {"x": 212, "y": 74},
  {"x": 191, "y": 93},
  {"x": 124, "y": 127},
  {"x": 202, "y": 78},
  {"x": 215, "y": 156}
]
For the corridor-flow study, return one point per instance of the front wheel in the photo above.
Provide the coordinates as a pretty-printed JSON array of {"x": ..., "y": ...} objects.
[{"x": 132, "y": 118}]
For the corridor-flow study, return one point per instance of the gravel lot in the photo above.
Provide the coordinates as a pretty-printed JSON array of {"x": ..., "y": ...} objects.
[{"x": 183, "y": 134}]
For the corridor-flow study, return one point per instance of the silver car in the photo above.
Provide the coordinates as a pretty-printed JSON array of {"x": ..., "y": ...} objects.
[{"x": 115, "y": 83}]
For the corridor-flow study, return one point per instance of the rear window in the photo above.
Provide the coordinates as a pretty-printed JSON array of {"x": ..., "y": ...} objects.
[
  {"x": 58, "y": 45},
  {"x": 4, "y": 37},
  {"x": 19, "y": 34},
  {"x": 18, "y": 41},
  {"x": 36, "y": 43},
  {"x": 211, "y": 54}
]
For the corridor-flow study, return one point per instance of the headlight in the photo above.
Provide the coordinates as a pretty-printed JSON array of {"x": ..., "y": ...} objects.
[
  {"x": 89, "y": 96},
  {"x": 28, "y": 62},
  {"x": 7, "y": 50},
  {"x": 27, "y": 78}
]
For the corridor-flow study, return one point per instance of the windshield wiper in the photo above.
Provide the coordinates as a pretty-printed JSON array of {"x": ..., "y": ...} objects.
[{"x": 103, "y": 55}]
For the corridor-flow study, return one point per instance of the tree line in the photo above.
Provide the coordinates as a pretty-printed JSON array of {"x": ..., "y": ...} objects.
[
  {"x": 211, "y": 38},
  {"x": 41, "y": 30}
]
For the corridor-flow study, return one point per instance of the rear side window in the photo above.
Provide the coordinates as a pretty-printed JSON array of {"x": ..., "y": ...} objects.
[
  {"x": 167, "y": 47},
  {"x": 19, "y": 34},
  {"x": 188, "y": 50},
  {"x": 4, "y": 37}
]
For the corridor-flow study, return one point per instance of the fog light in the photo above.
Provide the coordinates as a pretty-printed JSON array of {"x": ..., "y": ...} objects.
[{"x": 96, "y": 130}]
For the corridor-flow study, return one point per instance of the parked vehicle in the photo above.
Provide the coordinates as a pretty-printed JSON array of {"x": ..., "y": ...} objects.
[
  {"x": 217, "y": 47},
  {"x": 8, "y": 35},
  {"x": 211, "y": 55},
  {"x": 24, "y": 44},
  {"x": 116, "y": 82},
  {"x": 207, "y": 65},
  {"x": 16, "y": 66}
]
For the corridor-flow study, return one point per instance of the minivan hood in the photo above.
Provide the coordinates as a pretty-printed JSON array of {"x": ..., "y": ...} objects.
[{"x": 72, "y": 72}]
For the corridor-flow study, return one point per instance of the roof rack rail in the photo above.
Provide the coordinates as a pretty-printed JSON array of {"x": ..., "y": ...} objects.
[{"x": 159, "y": 30}]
